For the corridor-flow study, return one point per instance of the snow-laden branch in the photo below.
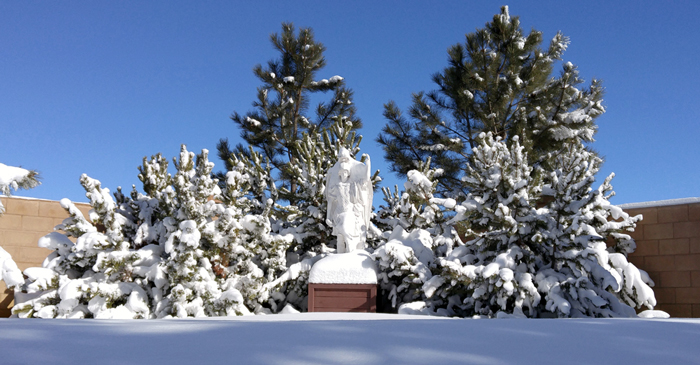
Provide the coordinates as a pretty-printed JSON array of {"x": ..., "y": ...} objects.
[
  {"x": 9, "y": 272},
  {"x": 15, "y": 178}
]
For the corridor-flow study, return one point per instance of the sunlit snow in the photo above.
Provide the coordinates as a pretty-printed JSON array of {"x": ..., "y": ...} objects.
[{"x": 338, "y": 338}]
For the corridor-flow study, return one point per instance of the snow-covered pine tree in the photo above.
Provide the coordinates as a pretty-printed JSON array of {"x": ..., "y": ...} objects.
[
  {"x": 500, "y": 81},
  {"x": 493, "y": 271},
  {"x": 152, "y": 255},
  {"x": 192, "y": 285},
  {"x": 415, "y": 233},
  {"x": 15, "y": 178},
  {"x": 579, "y": 275},
  {"x": 249, "y": 255},
  {"x": 92, "y": 271},
  {"x": 281, "y": 109},
  {"x": 537, "y": 241}
]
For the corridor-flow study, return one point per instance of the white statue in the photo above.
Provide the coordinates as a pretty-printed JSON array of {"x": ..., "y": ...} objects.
[{"x": 349, "y": 197}]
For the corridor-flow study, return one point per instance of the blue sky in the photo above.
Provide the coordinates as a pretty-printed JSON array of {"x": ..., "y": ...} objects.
[{"x": 93, "y": 87}]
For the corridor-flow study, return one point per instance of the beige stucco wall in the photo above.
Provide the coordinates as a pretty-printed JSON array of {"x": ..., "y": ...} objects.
[
  {"x": 24, "y": 222},
  {"x": 668, "y": 248}
]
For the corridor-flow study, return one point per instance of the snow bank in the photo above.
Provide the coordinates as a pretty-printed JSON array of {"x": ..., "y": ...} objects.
[
  {"x": 351, "y": 338},
  {"x": 356, "y": 267},
  {"x": 651, "y": 313}
]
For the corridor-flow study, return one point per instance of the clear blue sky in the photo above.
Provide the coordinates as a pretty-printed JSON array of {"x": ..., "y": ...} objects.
[{"x": 94, "y": 86}]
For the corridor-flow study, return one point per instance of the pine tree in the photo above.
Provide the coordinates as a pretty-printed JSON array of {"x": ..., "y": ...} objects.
[
  {"x": 539, "y": 243},
  {"x": 159, "y": 254},
  {"x": 415, "y": 231},
  {"x": 581, "y": 275},
  {"x": 94, "y": 274},
  {"x": 491, "y": 273},
  {"x": 499, "y": 81},
  {"x": 281, "y": 114}
]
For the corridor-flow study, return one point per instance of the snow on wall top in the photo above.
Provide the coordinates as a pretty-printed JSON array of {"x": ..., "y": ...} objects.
[
  {"x": 660, "y": 203},
  {"x": 13, "y": 196},
  {"x": 356, "y": 267}
]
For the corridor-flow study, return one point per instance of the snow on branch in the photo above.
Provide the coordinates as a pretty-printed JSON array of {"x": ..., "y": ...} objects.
[{"x": 15, "y": 178}]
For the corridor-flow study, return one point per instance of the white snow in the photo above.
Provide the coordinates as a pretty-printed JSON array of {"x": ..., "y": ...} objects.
[
  {"x": 660, "y": 203},
  {"x": 11, "y": 174},
  {"x": 350, "y": 338},
  {"x": 253, "y": 122},
  {"x": 9, "y": 272},
  {"x": 335, "y": 79},
  {"x": 332, "y": 80},
  {"x": 14, "y": 178},
  {"x": 651, "y": 313},
  {"x": 356, "y": 267}
]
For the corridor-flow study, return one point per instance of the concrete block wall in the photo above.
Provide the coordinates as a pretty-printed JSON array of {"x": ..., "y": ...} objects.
[
  {"x": 668, "y": 248},
  {"x": 24, "y": 222}
]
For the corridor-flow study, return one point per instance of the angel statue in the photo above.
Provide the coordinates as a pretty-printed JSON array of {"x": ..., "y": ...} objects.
[{"x": 349, "y": 197}]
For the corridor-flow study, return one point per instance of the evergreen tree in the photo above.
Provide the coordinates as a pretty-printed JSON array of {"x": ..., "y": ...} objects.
[
  {"x": 499, "y": 81},
  {"x": 580, "y": 274},
  {"x": 181, "y": 249},
  {"x": 492, "y": 272},
  {"x": 536, "y": 241},
  {"x": 415, "y": 231},
  {"x": 281, "y": 114}
]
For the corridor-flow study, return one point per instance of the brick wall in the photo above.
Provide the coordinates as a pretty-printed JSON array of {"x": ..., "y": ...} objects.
[
  {"x": 24, "y": 222},
  {"x": 668, "y": 248}
]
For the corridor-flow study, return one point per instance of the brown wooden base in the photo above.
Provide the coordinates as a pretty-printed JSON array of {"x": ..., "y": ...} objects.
[{"x": 342, "y": 297}]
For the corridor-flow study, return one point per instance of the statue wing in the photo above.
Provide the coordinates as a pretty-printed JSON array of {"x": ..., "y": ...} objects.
[
  {"x": 332, "y": 179},
  {"x": 361, "y": 176},
  {"x": 368, "y": 207}
]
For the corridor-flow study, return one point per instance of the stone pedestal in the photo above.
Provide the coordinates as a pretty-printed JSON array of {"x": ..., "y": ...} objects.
[
  {"x": 342, "y": 297},
  {"x": 344, "y": 282}
]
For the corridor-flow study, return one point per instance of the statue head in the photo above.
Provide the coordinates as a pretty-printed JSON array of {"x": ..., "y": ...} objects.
[
  {"x": 344, "y": 174},
  {"x": 344, "y": 155}
]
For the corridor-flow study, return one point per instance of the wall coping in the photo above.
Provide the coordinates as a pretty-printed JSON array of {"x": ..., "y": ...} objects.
[
  {"x": 660, "y": 203},
  {"x": 40, "y": 199}
]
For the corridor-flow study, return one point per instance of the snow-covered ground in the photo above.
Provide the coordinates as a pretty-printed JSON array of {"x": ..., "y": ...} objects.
[{"x": 333, "y": 338}]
